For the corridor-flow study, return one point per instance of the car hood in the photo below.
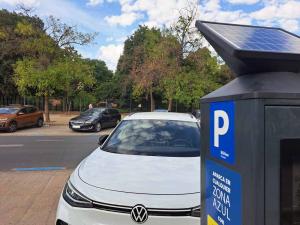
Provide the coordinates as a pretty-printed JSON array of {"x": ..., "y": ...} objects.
[
  {"x": 141, "y": 174},
  {"x": 83, "y": 118}
]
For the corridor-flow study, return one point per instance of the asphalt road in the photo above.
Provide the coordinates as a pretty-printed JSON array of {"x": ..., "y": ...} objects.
[{"x": 20, "y": 152}]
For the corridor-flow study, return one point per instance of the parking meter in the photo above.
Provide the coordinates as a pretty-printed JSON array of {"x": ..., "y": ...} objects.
[{"x": 250, "y": 150}]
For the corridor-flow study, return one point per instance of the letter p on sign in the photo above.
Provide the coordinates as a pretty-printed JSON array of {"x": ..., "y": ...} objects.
[
  {"x": 222, "y": 131},
  {"x": 220, "y": 114}
]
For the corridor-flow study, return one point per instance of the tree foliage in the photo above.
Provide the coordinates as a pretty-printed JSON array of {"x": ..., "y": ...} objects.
[
  {"x": 12, "y": 26},
  {"x": 48, "y": 63},
  {"x": 171, "y": 63}
]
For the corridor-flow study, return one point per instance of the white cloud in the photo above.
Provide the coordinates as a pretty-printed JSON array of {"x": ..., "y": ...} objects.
[
  {"x": 94, "y": 2},
  {"x": 157, "y": 12},
  {"x": 66, "y": 10},
  {"x": 281, "y": 13},
  {"x": 287, "y": 10},
  {"x": 212, "y": 10},
  {"x": 125, "y": 19},
  {"x": 265, "y": 13},
  {"x": 110, "y": 54},
  {"x": 246, "y": 2},
  {"x": 29, "y": 3},
  {"x": 70, "y": 13},
  {"x": 211, "y": 5},
  {"x": 289, "y": 25}
]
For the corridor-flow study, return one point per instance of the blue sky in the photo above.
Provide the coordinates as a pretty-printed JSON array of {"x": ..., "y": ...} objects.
[{"x": 115, "y": 20}]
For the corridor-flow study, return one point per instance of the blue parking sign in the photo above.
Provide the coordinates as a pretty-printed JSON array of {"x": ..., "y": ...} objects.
[{"x": 222, "y": 131}]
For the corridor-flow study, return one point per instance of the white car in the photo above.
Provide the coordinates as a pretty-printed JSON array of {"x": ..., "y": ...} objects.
[{"x": 147, "y": 171}]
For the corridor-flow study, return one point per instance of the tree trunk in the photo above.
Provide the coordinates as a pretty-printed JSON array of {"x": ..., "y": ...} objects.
[
  {"x": 46, "y": 109},
  {"x": 69, "y": 107},
  {"x": 170, "y": 104},
  {"x": 152, "y": 102}
]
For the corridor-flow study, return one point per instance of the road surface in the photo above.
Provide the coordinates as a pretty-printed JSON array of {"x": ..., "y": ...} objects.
[{"x": 18, "y": 152}]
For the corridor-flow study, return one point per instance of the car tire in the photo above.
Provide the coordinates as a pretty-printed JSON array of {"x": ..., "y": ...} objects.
[
  {"x": 98, "y": 127},
  {"x": 40, "y": 122},
  {"x": 12, "y": 127}
]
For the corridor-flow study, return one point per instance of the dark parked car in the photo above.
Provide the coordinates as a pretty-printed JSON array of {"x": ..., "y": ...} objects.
[
  {"x": 18, "y": 116},
  {"x": 95, "y": 119},
  {"x": 197, "y": 114}
]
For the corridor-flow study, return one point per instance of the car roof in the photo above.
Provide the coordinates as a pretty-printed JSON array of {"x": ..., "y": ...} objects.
[{"x": 161, "y": 116}]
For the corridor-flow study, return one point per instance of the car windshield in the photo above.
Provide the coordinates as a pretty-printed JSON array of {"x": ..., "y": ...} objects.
[
  {"x": 92, "y": 112},
  {"x": 8, "y": 110},
  {"x": 156, "y": 138}
]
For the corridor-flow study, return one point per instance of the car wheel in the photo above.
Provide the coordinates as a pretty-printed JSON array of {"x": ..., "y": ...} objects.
[
  {"x": 98, "y": 127},
  {"x": 40, "y": 122},
  {"x": 12, "y": 127}
]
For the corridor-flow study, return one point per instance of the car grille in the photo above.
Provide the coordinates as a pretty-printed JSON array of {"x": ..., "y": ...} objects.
[{"x": 151, "y": 211}]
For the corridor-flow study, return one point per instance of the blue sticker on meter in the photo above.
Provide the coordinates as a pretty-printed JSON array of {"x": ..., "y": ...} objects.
[
  {"x": 223, "y": 195},
  {"x": 222, "y": 131}
]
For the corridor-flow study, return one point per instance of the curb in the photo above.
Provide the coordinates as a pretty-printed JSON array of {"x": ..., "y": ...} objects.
[{"x": 55, "y": 124}]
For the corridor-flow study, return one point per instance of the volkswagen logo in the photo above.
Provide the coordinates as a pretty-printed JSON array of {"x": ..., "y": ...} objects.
[{"x": 139, "y": 214}]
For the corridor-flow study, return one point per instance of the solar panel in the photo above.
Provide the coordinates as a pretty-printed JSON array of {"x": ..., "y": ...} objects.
[{"x": 262, "y": 39}]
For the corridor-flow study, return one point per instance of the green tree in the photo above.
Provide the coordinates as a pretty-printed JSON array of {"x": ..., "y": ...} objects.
[
  {"x": 133, "y": 54},
  {"x": 100, "y": 70},
  {"x": 31, "y": 77},
  {"x": 198, "y": 77},
  {"x": 48, "y": 56},
  {"x": 184, "y": 30},
  {"x": 225, "y": 75},
  {"x": 146, "y": 74},
  {"x": 76, "y": 77},
  {"x": 10, "y": 46},
  {"x": 139, "y": 62},
  {"x": 168, "y": 57}
]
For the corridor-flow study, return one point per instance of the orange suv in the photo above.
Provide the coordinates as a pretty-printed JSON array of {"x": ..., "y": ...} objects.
[{"x": 15, "y": 116}]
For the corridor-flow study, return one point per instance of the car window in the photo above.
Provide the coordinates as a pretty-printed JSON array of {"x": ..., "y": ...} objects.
[
  {"x": 23, "y": 110},
  {"x": 92, "y": 112},
  {"x": 155, "y": 137},
  {"x": 31, "y": 109}
]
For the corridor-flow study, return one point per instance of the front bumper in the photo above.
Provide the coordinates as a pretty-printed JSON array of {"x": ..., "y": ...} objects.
[
  {"x": 83, "y": 127},
  {"x": 91, "y": 216}
]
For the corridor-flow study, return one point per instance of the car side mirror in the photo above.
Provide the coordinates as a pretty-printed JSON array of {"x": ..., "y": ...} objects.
[{"x": 102, "y": 139}]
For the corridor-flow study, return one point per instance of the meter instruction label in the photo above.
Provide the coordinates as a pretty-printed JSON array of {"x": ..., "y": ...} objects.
[
  {"x": 223, "y": 195},
  {"x": 222, "y": 131}
]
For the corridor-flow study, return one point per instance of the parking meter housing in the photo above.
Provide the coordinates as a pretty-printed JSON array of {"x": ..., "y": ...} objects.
[{"x": 250, "y": 156}]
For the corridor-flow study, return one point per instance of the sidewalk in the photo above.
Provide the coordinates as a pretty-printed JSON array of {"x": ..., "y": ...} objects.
[
  {"x": 59, "y": 119},
  {"x": 30, "y": 198}
]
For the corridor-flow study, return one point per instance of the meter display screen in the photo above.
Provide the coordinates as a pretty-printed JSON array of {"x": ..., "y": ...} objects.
[{"x": 290, "y": 182}]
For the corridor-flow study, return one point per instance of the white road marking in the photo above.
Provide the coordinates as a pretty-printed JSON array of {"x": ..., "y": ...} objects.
[{"x": 11, "y": 146}]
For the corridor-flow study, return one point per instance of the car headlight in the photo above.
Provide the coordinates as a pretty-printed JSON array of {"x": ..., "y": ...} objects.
[
  {"x": 196, "y": 212},
  {"x": 75, "y": 198}
]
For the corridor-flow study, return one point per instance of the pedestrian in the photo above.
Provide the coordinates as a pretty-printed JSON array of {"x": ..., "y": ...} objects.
[{"x": 90, "y": 106}]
